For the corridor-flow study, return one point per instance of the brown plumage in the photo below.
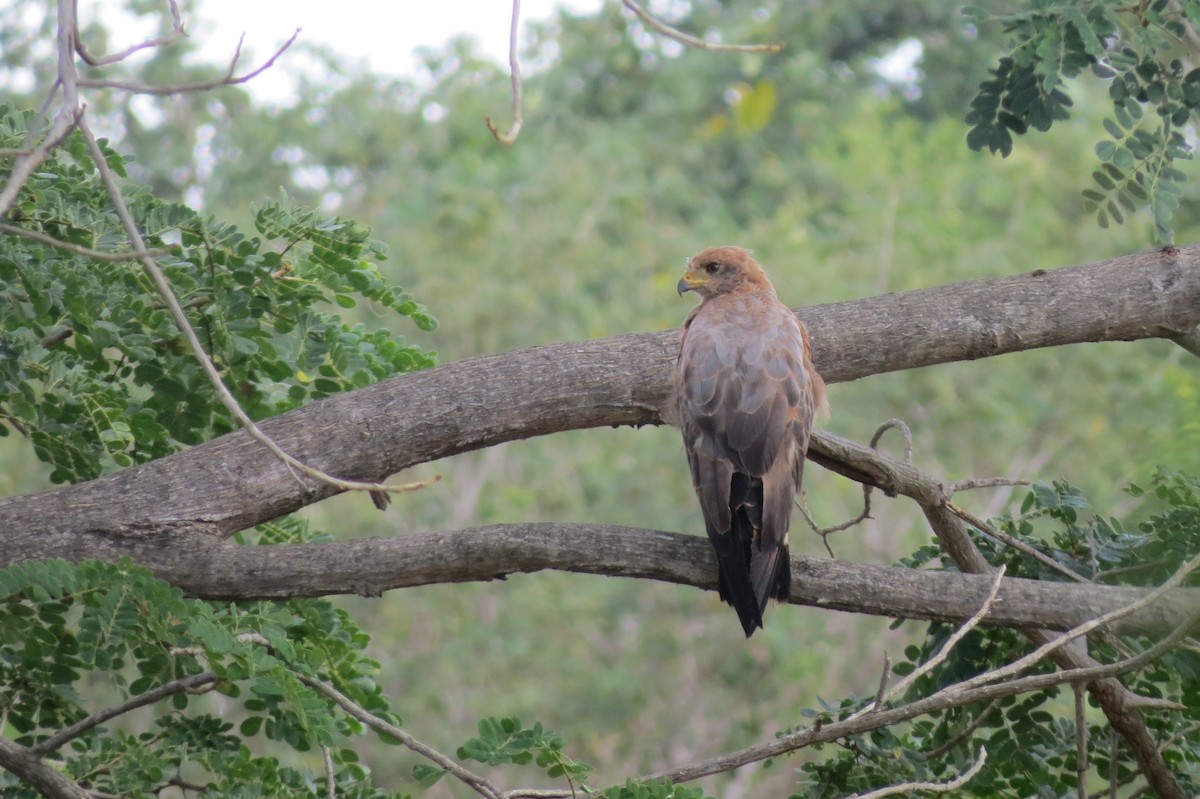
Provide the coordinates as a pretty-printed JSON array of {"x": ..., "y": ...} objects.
[{"x": 746, "y": 392}]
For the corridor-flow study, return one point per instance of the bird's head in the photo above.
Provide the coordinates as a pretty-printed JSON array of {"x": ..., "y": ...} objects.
[{"x": 720, "y": 270}]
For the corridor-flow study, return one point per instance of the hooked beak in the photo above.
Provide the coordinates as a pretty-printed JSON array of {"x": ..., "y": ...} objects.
[{"x": 686, "y": 283}]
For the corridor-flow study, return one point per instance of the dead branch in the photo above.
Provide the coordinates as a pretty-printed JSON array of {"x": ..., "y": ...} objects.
[
  {"x": 177, "y": 31},
  {"x": 514, "y": 73},
  {"x": 663, "y": 28},
  {"x": 229, "y": 79},
  {"x": 931, "y": 787}
]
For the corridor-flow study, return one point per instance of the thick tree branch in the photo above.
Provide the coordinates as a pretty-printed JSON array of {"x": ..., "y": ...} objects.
[
  {"x": 232, "y": 483},
  {"x": 37, "y": 773},
  {"x": 374, "y": 565}
]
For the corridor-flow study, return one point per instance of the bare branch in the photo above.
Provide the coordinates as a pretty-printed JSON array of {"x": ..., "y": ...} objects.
[
  {"x": 1081, "y": 748},
  {"x": 691, "y": 41},
  {"x": 196, "y": 682},
  {"x": 177, "y": 31},
  {"x": 228, "y": 80},
  {"x": 514, "y": 73},
  {"x": 895, "y": 424},
  {"x": 931, "y": 787},
  {"x": 885, "y": 674},
  {"x": 330, "y": 782}
]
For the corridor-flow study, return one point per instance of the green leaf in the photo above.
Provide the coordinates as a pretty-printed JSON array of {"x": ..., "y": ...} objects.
[{"x": 426, "y": 775}]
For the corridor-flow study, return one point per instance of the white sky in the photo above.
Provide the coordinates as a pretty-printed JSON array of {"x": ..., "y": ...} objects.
[{"x": 384, "y": 34}]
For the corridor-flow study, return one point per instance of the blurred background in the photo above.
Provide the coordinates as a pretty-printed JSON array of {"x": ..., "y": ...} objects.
[{"x": 841, "y": 162}]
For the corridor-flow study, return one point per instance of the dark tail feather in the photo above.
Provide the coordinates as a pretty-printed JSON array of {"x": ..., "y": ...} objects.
[
  {"x": 733, "y": 572},
  {"x": 771, "y": 575}
]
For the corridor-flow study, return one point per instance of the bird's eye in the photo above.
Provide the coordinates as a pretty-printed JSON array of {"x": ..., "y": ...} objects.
[{"x": 711, "y": 267}]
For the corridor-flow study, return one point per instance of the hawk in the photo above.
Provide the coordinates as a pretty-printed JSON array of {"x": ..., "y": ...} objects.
[{"x": 746, "y": 393}]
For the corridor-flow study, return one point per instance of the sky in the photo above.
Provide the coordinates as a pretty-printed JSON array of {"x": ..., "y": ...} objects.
[{"x": 383, "y": 34}]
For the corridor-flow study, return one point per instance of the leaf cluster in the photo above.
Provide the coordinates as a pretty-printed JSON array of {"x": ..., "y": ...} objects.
[
  {"x": 1140, "y": 50},
  {"x": 95, "y": 371},
  {"x": 506, "y": 740},
  {"x": 75, "y": 639}
]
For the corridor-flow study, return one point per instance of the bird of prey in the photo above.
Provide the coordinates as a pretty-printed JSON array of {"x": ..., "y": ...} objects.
[{"x": 746, "y": 393}]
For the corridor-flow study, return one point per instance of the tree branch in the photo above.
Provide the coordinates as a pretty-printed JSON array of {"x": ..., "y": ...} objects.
[
  {"x": 663, "y": 28},
  {"x": 37, "y": 773},
  {"x": 68, "y": 734},
  {"x": 233, "y": 483},
  {"x": 66, "y": 246},
  {"x": 931, "y": 787},
  {"x": 514, "y": 74},
  {"x": 480, "y": 785},
  {"x": 229, "y": 79},
  {"x": 215, "y": 570},
  {"x": 177, "y": 31}
]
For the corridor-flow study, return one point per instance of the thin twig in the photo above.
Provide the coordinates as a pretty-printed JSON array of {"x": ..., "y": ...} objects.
[
  {"x": 1113, "y": 748},
  {"x": 970, "y": 624},
  {"x": 330, "y": 782},
  {"x": 183, "y": 88},
  {"x": 881, "y": 693},
  {"x": 825, "y": 532},
  {"x": 1134, "y": 568},
  {"x": 691, "y": 41},
  {"x": 177, "y": 31},
  {"x": 54, "y": 339},
  {"x": 1015, "y": 543},
  {"x": 480, "y": 785},
  {"x": 99, "y": 255},
  {"x": 514, "y": 74},
  {"x": 1081, "y": 750},
  {"x": 931, "y": 787},
  {"x": 196, "y": 682},
  {"x": 1099, "y": 622},
  {"x": 905, "y": 430},
  {"x": 984, "y": 482},
  {"x": 965, "y": 733}
]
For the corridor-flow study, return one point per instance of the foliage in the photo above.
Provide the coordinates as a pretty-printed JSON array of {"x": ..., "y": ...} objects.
[
  {"x": 79, "y": 638},
  {"x": 507, "y": 741},
  {"x": 95, "y": 372},
  {"x": 1141, "y": 50},
  {"x": 1031, "y": 738}
]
